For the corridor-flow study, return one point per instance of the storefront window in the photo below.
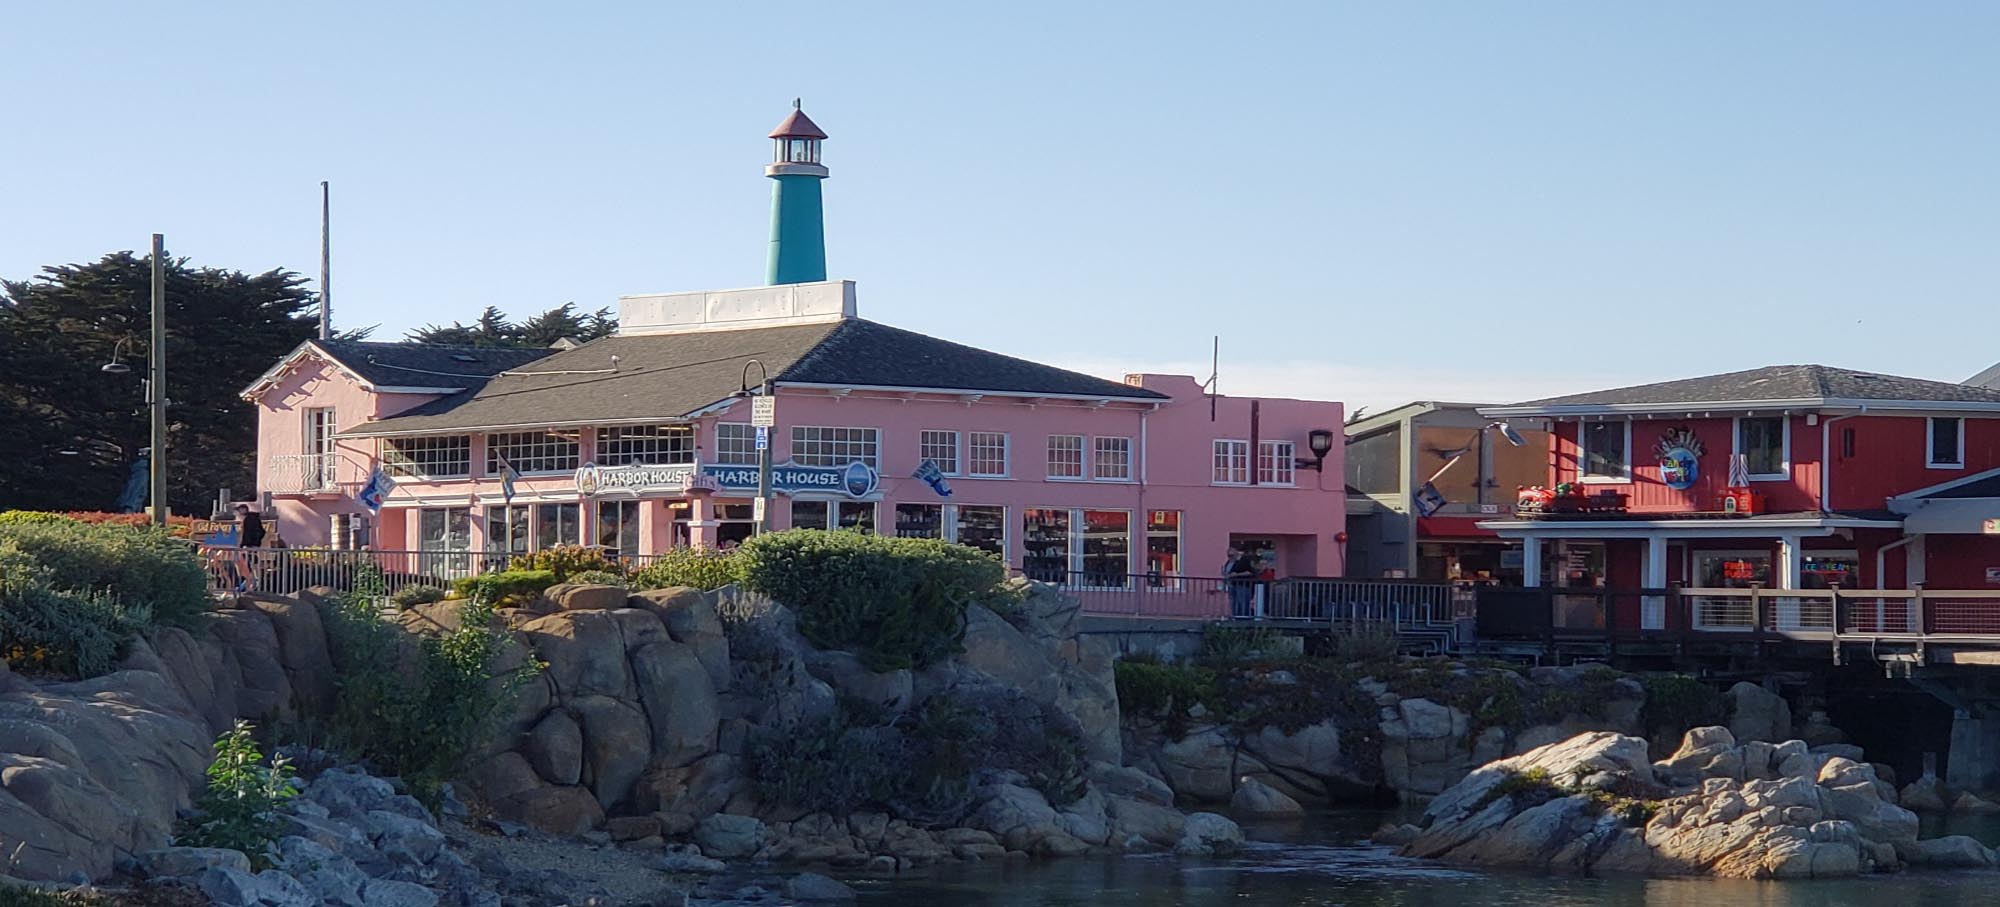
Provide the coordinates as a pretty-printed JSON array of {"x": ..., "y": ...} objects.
[
  {"x": 1107, "y": 548},
  {"x": 1163, "y": 543},
  {"x": 982, "y": 527},
  {"x": 1827, "y": 569},
  {"x": 856, "y": 515},
  {"x": 920, "y": 521},
  {"x": 735, "y": 524},
  {"x": 557, "y": 524},
  {"x": 1045, "y": 544},
  {"x": 1732, "y": 569},
  {"x": 444, "y": 529},
  {"x": 809, "y": 515},
  {"x": 507, "y": 528},
  {"x": 618, "y": 526}
]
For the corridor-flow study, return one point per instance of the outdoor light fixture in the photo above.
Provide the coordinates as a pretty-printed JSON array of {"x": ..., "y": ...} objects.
[
  {"x": 115, "y": 367},
  {"x": 1320, "y": 442}
]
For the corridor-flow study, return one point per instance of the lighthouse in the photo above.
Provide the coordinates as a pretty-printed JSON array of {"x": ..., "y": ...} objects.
[{"x": 798, "y": 230}]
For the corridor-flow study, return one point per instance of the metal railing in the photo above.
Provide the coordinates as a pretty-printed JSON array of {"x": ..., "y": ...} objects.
[
  {"x": 300, "y": 473},
  {"x": 1316, "y": 599},
  {"x": 288, "y": 570},
  {"x": 1837, "y": 616}
]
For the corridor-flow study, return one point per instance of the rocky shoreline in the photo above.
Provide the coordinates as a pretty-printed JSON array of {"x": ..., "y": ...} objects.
[{"x": 1597, "y": 804}]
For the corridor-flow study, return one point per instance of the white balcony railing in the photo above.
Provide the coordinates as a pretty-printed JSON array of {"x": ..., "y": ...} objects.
[{"x": 300, "y": 473}]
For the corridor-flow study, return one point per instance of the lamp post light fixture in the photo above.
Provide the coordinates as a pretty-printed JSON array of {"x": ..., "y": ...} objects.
[
  {"x": 156, "y": 384},
  {"x": 763, "y": 513},
  {"x": 1320, "y": 442}
]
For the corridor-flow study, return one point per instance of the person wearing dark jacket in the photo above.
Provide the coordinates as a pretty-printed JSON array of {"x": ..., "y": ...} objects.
[{"x": 249, "y": 527}]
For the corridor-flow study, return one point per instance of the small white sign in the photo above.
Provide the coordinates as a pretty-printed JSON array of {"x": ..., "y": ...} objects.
[
  {"x": 763, "y": 437},
  {"x": 757, "y": 509},
  {"x": 764, "y": 411},
  {"x": 1992, "y": 527}
]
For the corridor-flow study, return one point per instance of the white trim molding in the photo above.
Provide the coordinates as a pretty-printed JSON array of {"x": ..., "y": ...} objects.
[
  {"x": 1784, "y": 473},
  {"x": 1930, "y": 444},
  {"x": 1583, "y": 456}
]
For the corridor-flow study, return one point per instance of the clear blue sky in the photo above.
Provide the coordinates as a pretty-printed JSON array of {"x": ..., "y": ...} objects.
[{"x": 1370, "y": 202}]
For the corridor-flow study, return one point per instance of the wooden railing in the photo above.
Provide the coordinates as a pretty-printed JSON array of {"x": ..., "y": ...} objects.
[{"x": 1827, "y": 615}]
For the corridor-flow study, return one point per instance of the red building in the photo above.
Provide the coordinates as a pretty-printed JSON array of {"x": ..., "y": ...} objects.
[{"x": 1788, "y": 477}]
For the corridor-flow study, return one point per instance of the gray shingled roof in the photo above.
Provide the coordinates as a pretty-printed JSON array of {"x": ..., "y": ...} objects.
[
  {"x": 667, "y": 376},
  {"x": 1988, "y": 487},
  {"x": 426, "y": 365},
  {"x": 1775, "y": 383}
]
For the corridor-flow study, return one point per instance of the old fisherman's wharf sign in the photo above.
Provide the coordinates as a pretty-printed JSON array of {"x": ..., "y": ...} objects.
[{"x": 854, "y": 480}]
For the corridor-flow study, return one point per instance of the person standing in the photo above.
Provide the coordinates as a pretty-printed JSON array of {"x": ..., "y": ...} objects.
[
  {"x": 249, "y": 535},
  {"x": 1241, "y": 574}
]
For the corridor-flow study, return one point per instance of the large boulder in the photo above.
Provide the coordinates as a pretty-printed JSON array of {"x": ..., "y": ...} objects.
[
  {"x": 265, "y": 690},
  {"x": 302, "y": 650},
  {"x": 1257, "y": 799},
  {"x": 615, "y": 746},
  {"x": 690, "y": 617},
  {"x": 1758, "y": 714},
  {"x": 1951, "y": 852},
  {"x": 679, "y": 699},
  {"x": 586, "y": 596},
  {"x": 729, "y": 837},
  {"x": 889, "y": 690},
  {"x": 555, "y": 748},
  {"x": 585, "y": 653},
  {"x": 1201, "y": 766},
  {"x": 1208, "y": 834},
  {"x": 1425, "y": 747},
  {"x": 556, "y": 810}
]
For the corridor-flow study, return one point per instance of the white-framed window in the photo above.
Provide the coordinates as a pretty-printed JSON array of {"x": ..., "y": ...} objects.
[
  {"x": 1111, "y": 459},
  {"x": 318, "y": 447},
  {"x": 820, "y": 445},
  {"x": 435, "y": 457},
  {"x": 652, "y": 445},
  {"x": 1765, "y": 443},
  {"x": 986, "y": 453},
  {"x": 1065, "y": 456},
  {"x": 1275, "y": 462},
  {"x": 1945, "y": 441},
  {"x": 1232, "y": 463},
  {"x": 735, "y": 444},
  {"x": 1604, "y": 451},
  {"x": 531, "y": 452},
  {"x": 940, "y": 447},
  {"x": 558, "y": 524}
]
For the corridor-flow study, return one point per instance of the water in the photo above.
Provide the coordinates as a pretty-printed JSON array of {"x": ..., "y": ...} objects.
[{"x": 1326, "y": 862}]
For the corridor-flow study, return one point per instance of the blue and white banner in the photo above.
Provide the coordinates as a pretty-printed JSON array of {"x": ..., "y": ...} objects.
[
  {"x": 376, "y": 491},
  {"x": 934, "y": 477}
]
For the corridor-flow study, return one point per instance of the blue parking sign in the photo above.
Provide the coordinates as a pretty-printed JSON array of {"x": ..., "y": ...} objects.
[{"x": 763, "y": 438}]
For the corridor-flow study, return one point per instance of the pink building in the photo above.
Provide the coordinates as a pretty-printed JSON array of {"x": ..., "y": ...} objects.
[{"x": 644, "y": 441}]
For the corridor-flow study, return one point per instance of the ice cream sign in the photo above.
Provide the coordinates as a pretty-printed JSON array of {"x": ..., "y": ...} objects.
[{"x": 1680, "y": 458}]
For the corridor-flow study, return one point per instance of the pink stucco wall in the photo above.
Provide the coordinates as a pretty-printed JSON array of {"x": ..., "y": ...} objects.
[{"x": 1172, "y": 445}]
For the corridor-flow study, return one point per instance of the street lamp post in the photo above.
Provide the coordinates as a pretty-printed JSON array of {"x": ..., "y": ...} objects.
[
  {"x": 763, "y": 422},
  {"x": 156, "y": 385}
]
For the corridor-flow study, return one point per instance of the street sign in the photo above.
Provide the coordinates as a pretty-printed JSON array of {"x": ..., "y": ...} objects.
[
  {"x": 757, "y": 510},
  {"x": 764, "y": 411},
  {"x": 763, "y": 437}
]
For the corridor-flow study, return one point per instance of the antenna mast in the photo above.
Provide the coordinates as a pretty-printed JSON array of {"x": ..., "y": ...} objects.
[
  {"x": 1214, "y": 373},
  {"x": 325, "y": 262}
]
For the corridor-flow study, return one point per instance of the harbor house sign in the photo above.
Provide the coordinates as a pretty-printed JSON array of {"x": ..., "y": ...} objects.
[{"x": 855, "y": 480}]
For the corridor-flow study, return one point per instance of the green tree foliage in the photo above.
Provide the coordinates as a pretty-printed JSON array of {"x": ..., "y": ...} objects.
[
  {"x": 240, "y": 808},
  {"x": 74, "y": 431},
  {"x": 695, "y": 568},
  {"x": 493, "y": 329}
]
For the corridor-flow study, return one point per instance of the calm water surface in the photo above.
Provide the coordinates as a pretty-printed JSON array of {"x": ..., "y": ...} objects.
[{"x": 1326, "y": 861}]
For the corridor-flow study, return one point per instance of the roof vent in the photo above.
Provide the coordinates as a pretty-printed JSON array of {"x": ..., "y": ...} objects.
[{"x": 464, "y": 357}]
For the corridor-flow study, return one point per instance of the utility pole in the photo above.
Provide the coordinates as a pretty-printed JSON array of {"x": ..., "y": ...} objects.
[
  {"x": 156, "y": 384},
  {"x": 325, "y": 262}
]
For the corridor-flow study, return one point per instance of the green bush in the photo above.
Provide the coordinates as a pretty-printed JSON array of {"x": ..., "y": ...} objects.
[
  {"x": 418, "y": 707},
  {"x": 600, "y": 578},
  {"x": 695, "y": 568},
  {"x": 895, "y": 602},
  {"x": 565, "y": 561},
  {"x": 140, "y": 566},
  {"x": 420, "y": 594},
  {"x": 31, "y": 518},
  {"x": 1677, "y": 702},
  {"x": 72, "y": 634},
  {"x": 1164, "y": 692},
  {"x": 505, "y": 588},
  {"x": 240, "y": 809}
]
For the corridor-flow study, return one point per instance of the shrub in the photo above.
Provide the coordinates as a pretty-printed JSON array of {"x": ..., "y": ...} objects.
[
  {"x": 179, "y": 527},
  {"x": 418, "y": 708},
  {"x": 564, "y": 561},
  {"x": 600, "y": 578},
  {"x": 1164, "y": 692},
  {"x": 1367, "y": 641},
  {"x": 895, "y": 602},
  {"x": 140, "y": 566},
  {"x": 240, "y": 809},
  {"x": 420, "y": 594},
  {"x": 1223, "y": 644},
  {"x": 695, "y": 568},
  {"x": 73, "y": 634},
  {"x": 1677, "y": 702},
  {"x": 507, "y": 587}
]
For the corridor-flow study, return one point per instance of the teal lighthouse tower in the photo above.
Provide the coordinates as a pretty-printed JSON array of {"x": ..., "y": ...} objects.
[{"x": 798, "y": 228}]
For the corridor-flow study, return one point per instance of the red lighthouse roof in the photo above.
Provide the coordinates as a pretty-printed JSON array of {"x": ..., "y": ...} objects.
[{"x": 797, "y": 126}]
